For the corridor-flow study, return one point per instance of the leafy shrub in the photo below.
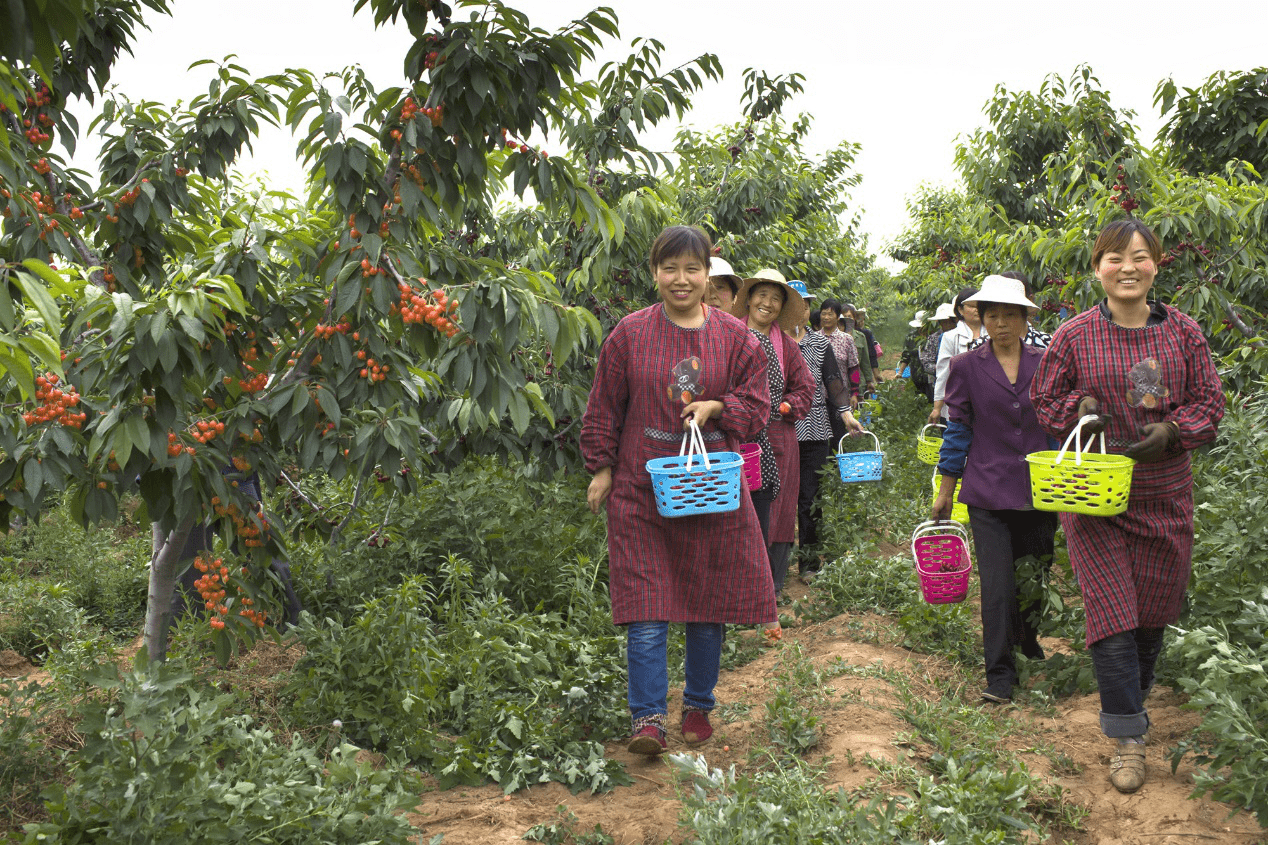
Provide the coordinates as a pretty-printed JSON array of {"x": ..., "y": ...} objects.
[
  {"x": 1220, "y": 651},
  {"x": 38, "y": 618},
  {"x": 28, "y": 762},
  {"x": 166, "y": 760},
  {"x": 1230, "y": 533},
  {"x": 495, "y": 514},
  {"x": 104, "y": 572},
  {"x": 564, "y": 831},
  {"x": 790, "y": 715},
  {"x": 484, "y": 692},
  {"x": 783, "y": 803},
  {"x": 1226, "y": 680}
]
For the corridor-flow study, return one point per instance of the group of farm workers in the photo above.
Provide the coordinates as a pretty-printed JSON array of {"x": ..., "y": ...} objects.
[{"x": 733, "y": 358}]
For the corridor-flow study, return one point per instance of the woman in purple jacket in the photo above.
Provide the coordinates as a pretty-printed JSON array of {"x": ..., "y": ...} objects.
[{"x": 991, "y": 428}]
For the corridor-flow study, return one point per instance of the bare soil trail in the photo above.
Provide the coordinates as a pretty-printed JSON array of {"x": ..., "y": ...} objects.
[{"x": 859, "y": 722}]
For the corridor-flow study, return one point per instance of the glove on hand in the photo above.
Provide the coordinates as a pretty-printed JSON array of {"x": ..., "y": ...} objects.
[
  {"x": 1089, "y": 405},
  {"x": 1157, "y": 440}
]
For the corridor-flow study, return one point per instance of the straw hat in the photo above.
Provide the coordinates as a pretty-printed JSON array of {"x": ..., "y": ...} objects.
[
  {"x": 1003, "y": 290},
  {"x": 946, "y": 311},
  {"x": 795, "y": 310}
]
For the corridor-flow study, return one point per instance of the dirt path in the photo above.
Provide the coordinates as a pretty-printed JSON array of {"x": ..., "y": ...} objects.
[{"x": 859, "y": 721}]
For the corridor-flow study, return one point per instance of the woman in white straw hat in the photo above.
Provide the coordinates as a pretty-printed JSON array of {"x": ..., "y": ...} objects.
[
  {"x": 991, "y": 427},
  {"x": 968, "y": 329},
  {"x": 773, "y": 309},
  {"x": 910, "y": 359},
  {"x": 1034, "y": 337},
  {"x": 944, "y": 319},
  {"x": 724, "y": 284}
]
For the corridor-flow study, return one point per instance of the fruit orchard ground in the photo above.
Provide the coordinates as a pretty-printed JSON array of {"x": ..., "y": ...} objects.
[{"x": 857, "y": 722}]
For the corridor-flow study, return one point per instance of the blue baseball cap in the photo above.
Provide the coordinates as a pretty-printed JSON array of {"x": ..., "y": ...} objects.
[{"x": 800, "y": 287}]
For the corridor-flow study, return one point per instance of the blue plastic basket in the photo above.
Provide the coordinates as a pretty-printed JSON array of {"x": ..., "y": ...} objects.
[
  {"x": 860, "y": 466},
  {"x": 906, "y": 372},
  {"x": 696, "y": 483}
]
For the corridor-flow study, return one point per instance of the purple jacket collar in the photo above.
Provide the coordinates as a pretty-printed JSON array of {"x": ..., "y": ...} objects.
[{"x": 1030, "y": 356}]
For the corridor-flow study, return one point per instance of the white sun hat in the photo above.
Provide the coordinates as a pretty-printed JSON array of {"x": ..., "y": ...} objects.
[
  {"x": 721, "y": 267},
  {"x": 946, "y": 311},
  {"x": 917, "y": 320},
  {"x": 1003, "y": 290}
]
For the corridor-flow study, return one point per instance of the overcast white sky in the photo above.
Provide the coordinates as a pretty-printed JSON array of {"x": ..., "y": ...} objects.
[{"x": 905, "y": 79}]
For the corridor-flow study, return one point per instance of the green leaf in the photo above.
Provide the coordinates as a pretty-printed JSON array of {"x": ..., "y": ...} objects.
[
  {"x": 36, "y": 294},
  {"x": 20, "y": 369}
]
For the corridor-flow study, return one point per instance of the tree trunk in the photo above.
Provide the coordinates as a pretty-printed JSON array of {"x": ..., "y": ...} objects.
[{"x": 164, "y": 570}]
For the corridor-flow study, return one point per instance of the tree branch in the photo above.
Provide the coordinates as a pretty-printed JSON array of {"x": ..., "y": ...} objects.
[{"x": 298, "y": 492}]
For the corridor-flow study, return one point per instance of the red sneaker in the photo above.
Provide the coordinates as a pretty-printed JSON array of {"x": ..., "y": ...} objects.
[
  {"x": 695, "y": 727},
  {"x": 649, "y": 741}
]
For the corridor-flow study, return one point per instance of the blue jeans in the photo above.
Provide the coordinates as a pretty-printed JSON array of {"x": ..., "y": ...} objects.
[
  {"x": 646, "y": 644},
  {"x": 1124, "y": 665}
]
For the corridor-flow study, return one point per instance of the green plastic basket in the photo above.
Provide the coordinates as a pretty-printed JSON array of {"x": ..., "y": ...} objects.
[
  {"x": 928, "y": 449},
  {"x": 1082, "y": 482},
  {"x": 959, "y": 512}
]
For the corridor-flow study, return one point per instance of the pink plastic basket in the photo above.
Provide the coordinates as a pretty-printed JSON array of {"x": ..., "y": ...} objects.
[
  {"x": 943, "y": 565},
  {"x": 752, "y": 454}
]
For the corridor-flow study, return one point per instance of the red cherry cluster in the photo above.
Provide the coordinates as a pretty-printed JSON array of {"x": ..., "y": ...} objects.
[
  {"x": 416, "y": 307},
  {"x": 211, "y": 586},
  {"x": 56, "y": 403},
  {"x": 1181, "y": 248},
  {"x": 254, "y": 384},
  {"x": 174, "y": 448},
  {"x": 1122, "y": 194},
  {"x": 34, "y": 134},
  {"x": 245, "y": 528},
  {"x": 204, "y": 431},
  {"x": 374, "y": 371},
  {"x": 130, "y": 197},
  {"x": 324, "y": 331}
]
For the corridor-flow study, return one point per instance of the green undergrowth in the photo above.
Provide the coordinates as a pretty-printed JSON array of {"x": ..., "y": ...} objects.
[
  {"x": 477, "y": 646},
  {"x": 956, "y": 783},
  {"x": 167, "y": 759}
]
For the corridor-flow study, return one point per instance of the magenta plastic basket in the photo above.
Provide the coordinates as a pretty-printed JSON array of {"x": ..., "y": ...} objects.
[
  {"x": 752, "y": 454},
  {"x": 943, "y": 564}
]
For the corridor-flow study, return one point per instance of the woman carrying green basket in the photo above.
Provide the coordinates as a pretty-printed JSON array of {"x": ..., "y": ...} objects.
[{"x": 1144, "y": 371}]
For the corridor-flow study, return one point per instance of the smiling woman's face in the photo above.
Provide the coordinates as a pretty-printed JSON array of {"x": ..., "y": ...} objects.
[
  {"x": 764, "y": 305},
  {"x": 1127, "y": 274},
  {"x": 828, "y": 320}
]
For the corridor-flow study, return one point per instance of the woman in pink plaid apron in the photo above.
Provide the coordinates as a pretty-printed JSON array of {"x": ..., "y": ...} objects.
[
  {"x": 661, "y": 368},
  {"x": 1144, "y": 372}
]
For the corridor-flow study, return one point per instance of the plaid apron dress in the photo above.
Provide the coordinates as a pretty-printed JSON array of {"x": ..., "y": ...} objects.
[
  {"x": 799, "y": 393},
  {"x": 707, "y": 568},
  {"x": 1133, "y": 568}
]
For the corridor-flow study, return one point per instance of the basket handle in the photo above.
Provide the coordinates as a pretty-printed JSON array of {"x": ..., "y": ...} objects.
[
  {"x": 841, "y": 442},
  {"x": 936, "y": 526},
  {"x": 928, "y": 524},
  {"x": 931, "y": 425},
  {"x": 1079, "y": 446},
  {"x": 696, "y": 446}
]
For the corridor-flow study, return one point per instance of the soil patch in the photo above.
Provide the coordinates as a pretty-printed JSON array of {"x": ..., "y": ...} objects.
[{"x": 859, "y": 722}]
